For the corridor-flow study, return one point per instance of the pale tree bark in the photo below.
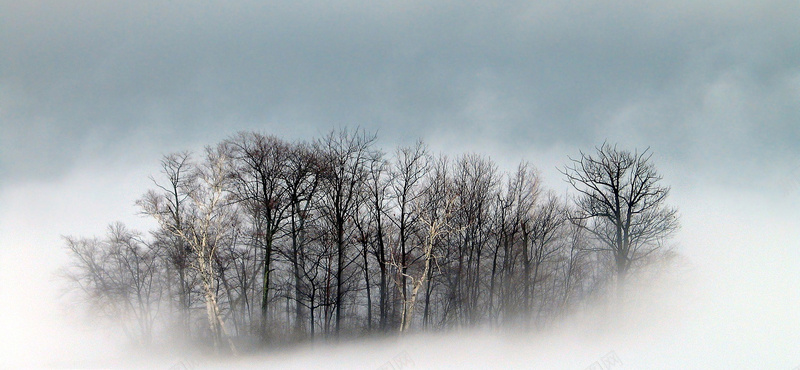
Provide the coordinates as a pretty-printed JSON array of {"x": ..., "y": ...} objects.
[
  {"x": 207, "y": 221},
  {"x": 408, "y": 172},
  {"x": 433, "y": 208},
  {"x": 437, "y": 224}
]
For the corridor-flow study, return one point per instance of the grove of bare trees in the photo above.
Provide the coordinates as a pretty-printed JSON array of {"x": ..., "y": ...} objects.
[{"x": 262, "y": 240}]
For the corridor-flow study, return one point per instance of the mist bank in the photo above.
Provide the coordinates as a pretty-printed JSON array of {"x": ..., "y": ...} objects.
[
  {"x": 734, "y": 307},
  {"x": 678, "y": 316},
  {"x": 263, "y": 241}
]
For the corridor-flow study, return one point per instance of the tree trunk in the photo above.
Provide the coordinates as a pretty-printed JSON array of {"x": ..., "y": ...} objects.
[
  {"x": 339, "y": 275},
  {"x": 265, "y": 290},
  {"x": 366, "y": 281},
  {"x": 384, "y": 288},
  {"x": 428, "y": 290}
]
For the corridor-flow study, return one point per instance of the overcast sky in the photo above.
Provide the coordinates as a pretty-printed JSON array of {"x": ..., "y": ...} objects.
[
  {"x": 711, "y": 86},
  {"x": 92, "y": 93}
]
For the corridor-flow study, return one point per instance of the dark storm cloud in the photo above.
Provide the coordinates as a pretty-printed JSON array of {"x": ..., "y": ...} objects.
[{"x": 90, "y": 78}]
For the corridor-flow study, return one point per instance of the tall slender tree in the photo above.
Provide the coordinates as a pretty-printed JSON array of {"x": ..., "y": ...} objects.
[
  {"x": 260, "y": 171},
  {"x": 345, "y": 156},
  {"x": 169, "y": 201},
  {"x": 408, "y": 174},
  {"x": 207, "y": 221}
]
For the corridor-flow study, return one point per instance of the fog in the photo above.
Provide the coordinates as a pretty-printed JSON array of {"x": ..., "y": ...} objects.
[
  {"x": 92, "y": 94},
  {"x": 728, "y": 301}
]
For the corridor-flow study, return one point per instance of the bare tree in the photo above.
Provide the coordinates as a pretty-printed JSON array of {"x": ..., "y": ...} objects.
[
  {"x": 345, "y": 156},
  {"x": 206, "y": 223},
  {"x": 437, "y": 223},
  {"x": 575, "y": 266},
  {"x": 169, "y": 201},
  {"x": 314, "y": 281},
  {"x": 302, "y": 182},
  {"x": 540, "y": 233},
  {"x": 376, "y": 201},
  {"x": 408, "y": 172},
  {"x": 120, "y": 276},
  {"x": 621, "y": 203},
  {"x": 474, "y": 181},
  {"x": 261, "y": 182},
  {"x": 433, "y": 209},
  {"x": 437, "y": 200},
  {"x": 514, "y": 210}
]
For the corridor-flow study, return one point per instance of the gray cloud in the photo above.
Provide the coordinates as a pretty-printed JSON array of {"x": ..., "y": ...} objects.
[{"x": 699, "y": 83}]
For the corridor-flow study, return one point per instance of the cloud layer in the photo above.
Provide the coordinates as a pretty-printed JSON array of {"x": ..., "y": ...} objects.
[{"x": 701, "y": 83}]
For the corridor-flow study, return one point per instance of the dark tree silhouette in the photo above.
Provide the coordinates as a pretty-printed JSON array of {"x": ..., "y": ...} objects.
[
  {"x": 622, "y": 203},
  {"x": 346, "y": 237}
]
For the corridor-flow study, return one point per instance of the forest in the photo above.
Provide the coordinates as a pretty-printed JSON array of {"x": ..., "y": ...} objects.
[{"x": 261, "y": 241}]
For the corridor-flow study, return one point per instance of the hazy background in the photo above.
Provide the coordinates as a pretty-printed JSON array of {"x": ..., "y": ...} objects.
[{"x": 92, "y": 93}]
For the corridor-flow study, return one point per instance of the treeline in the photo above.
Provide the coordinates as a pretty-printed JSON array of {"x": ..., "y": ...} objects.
[{"x": 262, "y": 240}]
